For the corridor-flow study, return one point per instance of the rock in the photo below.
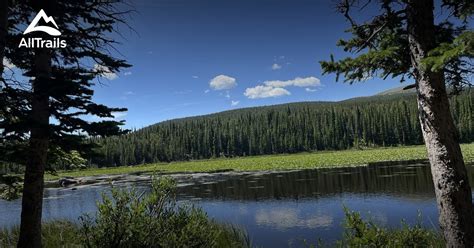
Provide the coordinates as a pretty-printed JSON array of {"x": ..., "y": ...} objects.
[{"x": 64, "y": 182}]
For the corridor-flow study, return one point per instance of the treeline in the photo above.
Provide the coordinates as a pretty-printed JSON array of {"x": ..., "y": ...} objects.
[{"x": 288, "y": 128}]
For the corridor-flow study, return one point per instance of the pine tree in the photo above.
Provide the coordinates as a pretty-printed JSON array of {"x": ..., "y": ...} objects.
[
  {"x": 403, "y": 40},
  {"x": 373, "y": 121},
  {"x": 3, "y": 32},
  {"x": 58, "y": 87}
]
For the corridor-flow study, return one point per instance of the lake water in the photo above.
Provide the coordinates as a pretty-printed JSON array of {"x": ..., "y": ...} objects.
[{"x": 282, "y": 208}]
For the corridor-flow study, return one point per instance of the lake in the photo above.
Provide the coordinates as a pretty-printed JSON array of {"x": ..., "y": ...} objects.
[{"x": 279, "y": 209}]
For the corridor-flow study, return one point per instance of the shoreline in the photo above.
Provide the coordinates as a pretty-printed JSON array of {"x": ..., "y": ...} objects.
[{"x": 253, "y": 164}]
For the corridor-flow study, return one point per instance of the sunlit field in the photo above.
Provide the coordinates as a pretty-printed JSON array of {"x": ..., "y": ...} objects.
[{"x": 277, "y": 162}]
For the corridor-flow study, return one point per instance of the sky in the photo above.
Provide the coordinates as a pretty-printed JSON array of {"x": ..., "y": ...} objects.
[{"x": 194, "y": 57}]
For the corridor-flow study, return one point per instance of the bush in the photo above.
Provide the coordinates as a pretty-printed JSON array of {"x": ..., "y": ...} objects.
[
  {"x": 11, "y": 187},
  {"x": 129, "y": 218},
  {"x": 132, "y": 219},
  {"x": 360, "y": 233}
]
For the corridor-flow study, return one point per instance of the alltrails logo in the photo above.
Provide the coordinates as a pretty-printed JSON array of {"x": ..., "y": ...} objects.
[{"x": 32, "y": 42}]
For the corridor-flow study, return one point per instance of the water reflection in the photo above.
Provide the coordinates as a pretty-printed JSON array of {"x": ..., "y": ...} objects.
[
  {"x": 281, "y": 208},
  {"x": 411, "y": 181},
  {"x": 285, "y": 218}
]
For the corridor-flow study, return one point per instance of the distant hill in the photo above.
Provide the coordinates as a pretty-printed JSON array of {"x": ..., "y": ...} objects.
[
  {"x": 397, "y": 90},
  {"x": 386, "y": 119}
]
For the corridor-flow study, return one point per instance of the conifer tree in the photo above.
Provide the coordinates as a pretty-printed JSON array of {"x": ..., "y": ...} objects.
[
  {"x": 58, "y": 87},
  {"x": 404, "y": 41},
  {"x": 3, "y": 32},
  {"x": 388, "y": 120}
]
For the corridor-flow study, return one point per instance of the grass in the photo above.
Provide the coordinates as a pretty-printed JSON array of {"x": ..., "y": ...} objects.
[
  {"x": 313, "y": 160},
  {"x": 59, "y": 233}
]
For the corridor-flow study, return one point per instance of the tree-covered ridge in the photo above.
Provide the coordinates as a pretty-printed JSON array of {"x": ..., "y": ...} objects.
[{"x": 287, "y": 128}]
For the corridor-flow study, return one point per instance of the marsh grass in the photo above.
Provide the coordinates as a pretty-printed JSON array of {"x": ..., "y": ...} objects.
[
  {"x": 323, "y": 159},
  {"x": 66, "y": 234},
  {"x": 55, "y": 234}
]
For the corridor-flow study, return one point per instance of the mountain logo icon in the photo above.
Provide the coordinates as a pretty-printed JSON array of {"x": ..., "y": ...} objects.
[{"x": 49, "y": 30}]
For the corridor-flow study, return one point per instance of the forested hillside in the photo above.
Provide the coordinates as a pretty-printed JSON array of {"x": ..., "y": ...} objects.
[{"x": 287, "y": 128}]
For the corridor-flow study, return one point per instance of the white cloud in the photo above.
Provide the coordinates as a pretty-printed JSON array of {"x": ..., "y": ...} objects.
[
  {"x": 105, "y": 72},
  {"x": 195, "y": 77},
  {"x": 276, "y": 67},
  {"x": 8, "y": 64},
  {"x": 276, "y": 88},
  {"x": 261, "y": 91},
  {"x": 206, "y": 91},
  {"x": 298, "y": 82},
  {"x": 222, "y": 82},
  {"x": 127, "y": 73},
  {"x": 234, "y": 103}
]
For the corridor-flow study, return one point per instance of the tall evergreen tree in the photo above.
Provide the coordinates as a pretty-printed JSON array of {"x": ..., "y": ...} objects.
[
  {"x": 405, "y": 41},
  {"x": 390, "y": 120},
  {"x": 3, "y": 32},
  {"x": 59, "y": 88}
]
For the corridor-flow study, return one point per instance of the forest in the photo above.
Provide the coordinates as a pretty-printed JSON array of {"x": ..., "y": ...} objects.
[{"x": 377, "y": 121}]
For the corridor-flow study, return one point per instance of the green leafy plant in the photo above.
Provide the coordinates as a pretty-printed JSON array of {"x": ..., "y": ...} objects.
[
  {"x": 129, "y": 218},
  {"x": 360, "y": 233},
  {"x": 12, "y": 187}
]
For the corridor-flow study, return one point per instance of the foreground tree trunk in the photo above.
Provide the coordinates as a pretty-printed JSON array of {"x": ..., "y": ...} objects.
[
  {"x": 3, "y": 31},
  {"x": 32, "y": 203},
  {"x": 453, "y": 193}
]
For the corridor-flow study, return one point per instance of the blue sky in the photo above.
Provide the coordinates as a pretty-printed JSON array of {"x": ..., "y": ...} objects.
[{"x": 262, "y": 52}]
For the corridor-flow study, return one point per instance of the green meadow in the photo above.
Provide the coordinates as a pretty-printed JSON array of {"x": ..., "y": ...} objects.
[{"x": 312, "y": 160}]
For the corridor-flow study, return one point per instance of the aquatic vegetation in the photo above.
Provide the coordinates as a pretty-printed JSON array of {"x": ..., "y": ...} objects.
[
  {"x": 326, "y": 159},
  {"x": 287, "y": 128}
]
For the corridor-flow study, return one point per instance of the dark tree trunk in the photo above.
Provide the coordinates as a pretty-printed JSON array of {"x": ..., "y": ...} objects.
[
  {"x": 32, "y": 203},
  {"x": 3, "y": 31},
  {"x": 453, "y": 193}
]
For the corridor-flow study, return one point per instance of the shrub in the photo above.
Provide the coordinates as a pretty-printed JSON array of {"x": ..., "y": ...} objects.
[
  {"x": 129, "y": 218},
  {"x": 360, "y": 233},
  {"x": 10, "y": 187}
]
